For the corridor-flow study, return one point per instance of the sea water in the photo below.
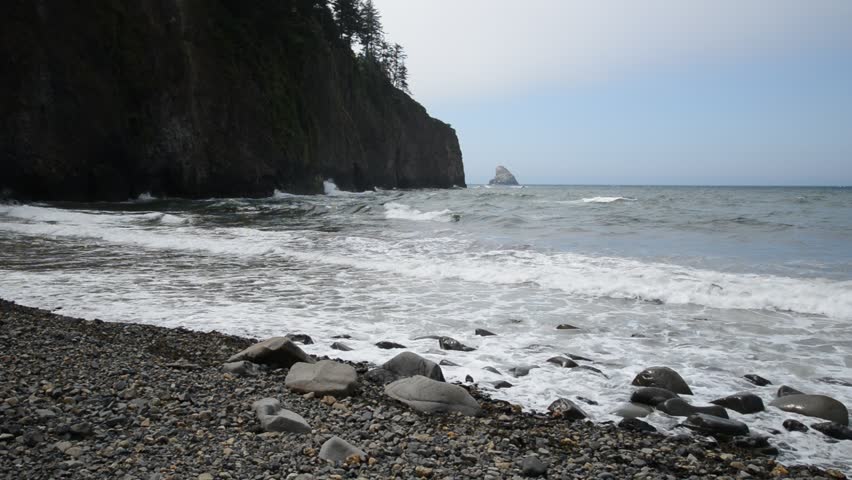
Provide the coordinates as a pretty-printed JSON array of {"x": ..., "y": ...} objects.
[{"x": 715, "y": 282}]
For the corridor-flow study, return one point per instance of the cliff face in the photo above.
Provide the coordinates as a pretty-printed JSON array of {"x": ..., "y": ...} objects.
[{"x": 197, "y": 98}]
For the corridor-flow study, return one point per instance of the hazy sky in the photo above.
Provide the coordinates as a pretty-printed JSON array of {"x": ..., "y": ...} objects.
[{"x": 638, "y": 92}]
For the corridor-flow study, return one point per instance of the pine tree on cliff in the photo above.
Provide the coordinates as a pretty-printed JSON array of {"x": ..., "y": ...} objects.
[
  {"x": 400, "y": 76},
  {"x": 370, "y": 31},
  {"x": 348, "y": 18}
]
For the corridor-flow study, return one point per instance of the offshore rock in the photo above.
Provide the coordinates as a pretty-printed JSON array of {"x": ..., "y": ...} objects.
[
  {"x": 502, "y": 176},
  {"x": 662, "y": 377}
]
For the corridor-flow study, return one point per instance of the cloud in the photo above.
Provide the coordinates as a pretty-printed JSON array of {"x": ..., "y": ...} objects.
[{"x": 463, "y": 49}]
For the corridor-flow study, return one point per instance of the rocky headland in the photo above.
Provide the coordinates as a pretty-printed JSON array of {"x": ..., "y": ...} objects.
[
  {"x": 93, "y": 399},
  {"x": 502, "y": 176}
]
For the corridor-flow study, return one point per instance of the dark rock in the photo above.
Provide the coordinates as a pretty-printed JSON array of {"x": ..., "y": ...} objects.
[
  {"x": 757, "y": 380},
  {"x": 565, "y": 326},
  {"x": 678, "y": 407},
  {"x": 447, "y": 343},
  {"x": 751, "y": 442},
  {"x": 337, "y": 450},
  {"x": 326, "y": 377},
  {"x": 431, "y": 396},
  {"x": 341, "y": 346},
  {"x": 276, "y": 352},
  {"x": 492, "y": 370},
  {"x": 578, "y": 357},
  {"x": 468, "y": 379},
  {"x": 587, "y": 401},
  {"x": 484, "y": 333},
  {"x": 380, "y": 376},
  {"x": 533, "y": 467},
  {"x": 409, "y": 364},
  {"x": 784, "y": 390},
  {"x": 82, "y": 429},
  {"x": 636, "y": 425},
  {"x": 502, "y": 176},
  {"x": 447, "y": 363},
  {"x": 662, "y": 377},
  {"x": 835, "y": 381},
  {"x": 819, "y": 406},
  {"x": 592, "y": 369},
  {"x": 833, "y": 430},
  {"x": 342, "y": 337},
  {"x": 651, "y": 396},
  {"x": 742, "y": 402},
  {"x": 794, "y": 425},
  {"x": 389, "y": 345},
  {"x": 567, "y": 409},
  {"x": 300, "y": 338},
  {"x": 562, "y": 362},
  {"x": 713, "y": 425},
  {"x": 502, "y": 384}
]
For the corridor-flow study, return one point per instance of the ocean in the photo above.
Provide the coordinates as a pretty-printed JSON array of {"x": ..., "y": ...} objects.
[{"x": 714, "y": 282}]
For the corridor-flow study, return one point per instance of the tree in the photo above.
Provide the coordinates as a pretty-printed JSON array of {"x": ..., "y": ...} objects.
[
  {"x": 370, "y": 31},
  {"x": 348, "y": 18}
]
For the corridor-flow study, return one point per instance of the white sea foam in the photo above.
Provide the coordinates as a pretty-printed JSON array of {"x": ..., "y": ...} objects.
[
  {"x": 401, "y": 211},
  {"x": 607, "y": 199},
  {"x": 145, "y": 197},
  {"x": 330, "y": 188}
]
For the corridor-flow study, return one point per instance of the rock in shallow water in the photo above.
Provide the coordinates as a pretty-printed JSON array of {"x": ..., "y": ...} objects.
[
  {"x": 757, "y": 380},
  {"x": 784, "y": 390},
  {"x": 567, "y": 409},
  {"x": 633, "y": 410},
  {"x": 323, "y": 378},
  {"x": 678, "y": 407},
  {"x": 636, "y": 425},
  {"x": 431, "y": 396},
  {"x": 484, "y": 333},
  {"x": 341, "y": 346},
  {"x": 819, "y": 406},
  {"x": 502, "y": 384},
  {"x": 409, "y": 364},
  {"x": 276, "y": 352},
  {"x": 742, "y": 402},
  {"x": 562, "y": 362},
  {"x": 662, "y": 377},
  {"x": 447, "y": 343},
  {"x": 792, "y": 425},
  {"x": 652, "y": 396},
  {"x": 833, "y": 430},
  {"x": 713, "y": 425},
  {"x": 300, "y": 338},
  {"x": 385, "y": 345},
  {"x": 337, "y": 450}
]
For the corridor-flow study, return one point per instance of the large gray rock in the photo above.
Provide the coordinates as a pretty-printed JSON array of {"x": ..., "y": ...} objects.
[
  {"x": 502, "y": 176},
  {"x": 566, "y": 409},
  {"x": 652, "y": 396},
  {"x": 408, "y": 364},
  {"x": 742, "y": 402},
  {"x": 834, "y": 430},
  {"x": 243, "y": 368},
  {"x": 678, "y": 407},
  {"x": 273, "y": 418},
  {"x": 819, "y": 406},
  {"x": 326, "y": 377},
  {"x": 662, "y": 377},
  {"x": 784, "y": 390},
  {"x": 337, "y": 450},
  {"x": 431, "y": 396},
  {"x": 276, "y": 352},
  {"x": 712, "y": 425}
]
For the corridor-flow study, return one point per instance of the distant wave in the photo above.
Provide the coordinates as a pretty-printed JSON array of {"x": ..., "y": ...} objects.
[
  {"x": 163, "y": 218},
  {"x": 401, "y": 211},
  {"x": 607, "y": 199},
  {"x": 145, "y": 197},
  {"x": 329, "y": 187}
]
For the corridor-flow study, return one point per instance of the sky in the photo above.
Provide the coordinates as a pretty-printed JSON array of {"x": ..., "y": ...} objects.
[{"x": 706, "y": 92}]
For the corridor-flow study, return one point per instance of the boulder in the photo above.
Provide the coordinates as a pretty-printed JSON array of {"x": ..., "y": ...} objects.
[
  {"x": 743, "y": 402},
  {"x": 380, "y": 376},
  {"x": 273, "y": 418},
  {"x": 562, "y": 362},
  {"x": 521, "y": 371},
  {"x": 592, "y": 369},
  {"x": 819, "y": 406},
  {"x": 633, "y": 410},
  {"x": 502, "y": 384},
  {"x": 835, "y": 381},
  {"x": 484, "y": 333},
  {"x": 300, "y": 338},
  {"x": 757, "y": 380},
  {"x": 567, "y": 409},
  {"x": 243, "y": 368},
  {"x": 431, "y": 396},
  {"x": 384, "y": 345},
  {"x": 636, "y": 425},
  {"x": 833, "y": 430},
  {"x": 502, "y": 176},
  {"x": 662, "y": 377},
  {"x": 447, "y": 343},
  {"x": 409, "y": 364},
  {"x": 566, "y": 326},
  {"x": 492, "y": 370},
  {"x": 792, "y": 425},
  {"x": 326, "y": 377},
  {"x": 652, "y": 396},
  {"x": 468, "y": 379},
  {"x": 784, "y": 390},
  {"x": 276, "y": 352},
  {"x": 337, "y": 450},
  {"x": 713, "y": 425},
  {"x": 341, "y": 346},
  {"x": 678, "y": 407},
  {"x": 578, "y": 357},
  {"x": 532, "y": 466}
]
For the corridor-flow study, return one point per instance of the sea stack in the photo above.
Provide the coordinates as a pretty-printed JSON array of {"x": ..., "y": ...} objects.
[{"x": 503, "y": 177}]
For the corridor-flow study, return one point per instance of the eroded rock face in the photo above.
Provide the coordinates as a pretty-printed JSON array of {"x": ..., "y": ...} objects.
[
  {"x": 502, "y": 176},
  {"x": 662, "y": 377},
  {"x": 275, "y": 352},
  {"x": 326, "y": 377},
  {"x": 819, "y": 406},
  {"x": 431, "y": 396}
]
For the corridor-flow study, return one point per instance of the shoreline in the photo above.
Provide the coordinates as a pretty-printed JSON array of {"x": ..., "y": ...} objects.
[{"x": 94, "y": 399}]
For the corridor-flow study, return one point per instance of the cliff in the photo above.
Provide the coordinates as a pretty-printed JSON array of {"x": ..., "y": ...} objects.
[{"x": 199, "y": 98}]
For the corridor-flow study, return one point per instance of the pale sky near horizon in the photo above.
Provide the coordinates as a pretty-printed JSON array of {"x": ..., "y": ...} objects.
[{"x": 750, "y": 92}]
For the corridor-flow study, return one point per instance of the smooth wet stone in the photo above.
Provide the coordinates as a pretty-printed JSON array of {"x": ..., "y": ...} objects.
[
  {"x": 784, "y": 390},
  {"x": 532, "y": 466},
  {"x": 636, "y": 425},
  {"x": 300, "y": 338},
  {"x": 562, "y": 362},
  {"x": 426, "y": 395},
  {"x": 713, "y": 425},
  {"x": 652, "y": 396},
  {"x": 743, "y": 402},
  {"x": 819, "y": 406},
  {"x": 468, "y": 379},
  {"x": 678, "y": 407},
  {"x": 266, "y": 406},
  {"x": 243, "y": 368},
  {"x": 409, "y": 364},
  {"x": 384, "y": 345},
  {"x": 567, "y": 409},
  {"x": 520, "y": 371},
  {"x": 502, "y": 384},
  {"x": 492, "y": 370},
  {"x": 447, "y": 343},
  {"x": 757, "y": 380},
  {"x": 633, "y": 410},
  {"x": 792, "y": 425},
  {"x": 833, "y": 430},
  {"x": 592, "y": 369},
  {"x": 566, "y": 326},
  {"x": 326, "y": 377},
  {"x": 337, "y": 450},
  {"x": 341, "y": 346},
  {"x": 484, "y": 333},
  {"x": 446, "y": 363},
  {"x": 276, "y": 352},
  {"x": 835, "y": 381},
  {"x": 662, "y": 377},
  {"x": 273, "y": 418},
  {"x": 577, "y": 357}
]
